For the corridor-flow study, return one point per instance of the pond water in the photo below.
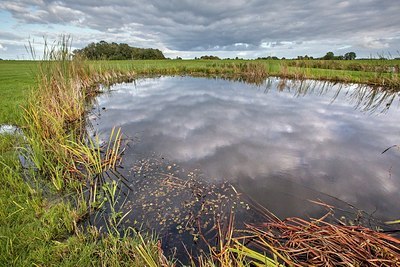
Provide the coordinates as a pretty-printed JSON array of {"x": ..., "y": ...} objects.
[
  {"x": 201, "y": 145},
  {"x": 8, "y": 129}
]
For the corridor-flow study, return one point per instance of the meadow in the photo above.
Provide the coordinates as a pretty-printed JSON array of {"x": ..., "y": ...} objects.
[{"x": 43, "y": 207}]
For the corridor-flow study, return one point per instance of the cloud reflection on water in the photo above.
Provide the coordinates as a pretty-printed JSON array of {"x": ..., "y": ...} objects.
[{"x": 278, "y": 146}]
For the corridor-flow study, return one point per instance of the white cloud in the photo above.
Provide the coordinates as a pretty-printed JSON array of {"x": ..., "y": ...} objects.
[{"x": 373, "y": 43}]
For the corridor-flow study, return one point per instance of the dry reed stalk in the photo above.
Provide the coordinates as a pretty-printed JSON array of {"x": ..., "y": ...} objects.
[{"x": 319, "y": 243}]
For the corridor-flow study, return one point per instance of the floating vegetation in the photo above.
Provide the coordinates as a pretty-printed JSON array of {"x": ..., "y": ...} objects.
[{"x": 179, "y": 205}]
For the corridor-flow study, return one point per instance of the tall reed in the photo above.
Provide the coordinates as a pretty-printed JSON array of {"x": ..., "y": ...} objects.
[{"x": 58, "y": 145}]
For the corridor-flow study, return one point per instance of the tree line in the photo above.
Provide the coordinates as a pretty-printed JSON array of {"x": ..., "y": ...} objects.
[
  {"x": 330, "y": 56},
  {"x": 347, "y": 56},
  {"x": 114, "y": 51}
]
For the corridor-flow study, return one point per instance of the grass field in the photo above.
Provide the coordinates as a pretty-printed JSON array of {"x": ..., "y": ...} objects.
[
  {"x": 37, "y": 225},
  {"x": 16, "y": 77}
]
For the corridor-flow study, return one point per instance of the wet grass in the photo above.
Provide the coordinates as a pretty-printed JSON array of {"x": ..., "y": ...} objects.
[{"x": 38, "y": 229}]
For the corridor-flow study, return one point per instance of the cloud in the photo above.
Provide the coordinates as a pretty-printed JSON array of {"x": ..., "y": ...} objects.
[
  {"x": 220, "y": 26},
  {"x": 3, "y": 48},
  {"x": 372, "y": 43}
]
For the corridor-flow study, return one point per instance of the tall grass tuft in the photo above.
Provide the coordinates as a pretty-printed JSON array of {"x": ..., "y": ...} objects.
[{"x": 58, "y": 145}]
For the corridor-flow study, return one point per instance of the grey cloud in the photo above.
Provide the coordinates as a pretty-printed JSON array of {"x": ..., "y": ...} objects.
[
  {"x": 218, "y": 25},
  {"x": 5, "y": 35}
]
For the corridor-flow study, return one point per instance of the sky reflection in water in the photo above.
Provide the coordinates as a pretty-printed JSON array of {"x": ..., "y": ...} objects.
[{"x": 280, "y": 147}]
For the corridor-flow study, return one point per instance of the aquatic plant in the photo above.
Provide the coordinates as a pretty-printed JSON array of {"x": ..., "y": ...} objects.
[{"x": 317, "y": 242}]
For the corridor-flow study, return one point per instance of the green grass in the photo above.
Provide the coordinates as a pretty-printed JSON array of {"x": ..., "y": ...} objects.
[
  {"x": 16, "y": 77},
  {"x": 41, "y": 231},
  {"x": 370, "y": 65}
]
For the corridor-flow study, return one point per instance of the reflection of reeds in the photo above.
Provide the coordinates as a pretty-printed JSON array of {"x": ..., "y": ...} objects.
[{"x": 365, "y": 98}]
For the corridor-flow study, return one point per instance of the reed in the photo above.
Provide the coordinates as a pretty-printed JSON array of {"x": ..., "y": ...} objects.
[
  {"x": 319, "y": 243},
  {"x": 228, "y": 249},
  {"x": 58, "y": 144}
]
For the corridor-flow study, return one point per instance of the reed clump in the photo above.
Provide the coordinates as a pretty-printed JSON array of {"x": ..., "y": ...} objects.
[
  {"x": 298, "y": 242},
  {"x": 318, "y": 243},
  {"x": 58, "y": 145}
]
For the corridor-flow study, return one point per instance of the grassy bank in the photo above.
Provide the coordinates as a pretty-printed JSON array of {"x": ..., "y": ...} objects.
[
  {"x": 42, "y": 207},
  {"x": 40, "y": 220},
  {"x": 383, "y": 73}
]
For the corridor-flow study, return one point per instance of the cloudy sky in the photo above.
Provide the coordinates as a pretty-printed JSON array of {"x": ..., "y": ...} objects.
[{"x": 190, "y": 28}]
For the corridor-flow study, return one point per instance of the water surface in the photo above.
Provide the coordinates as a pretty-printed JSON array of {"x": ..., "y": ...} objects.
[{"x": 279, "y": 144}]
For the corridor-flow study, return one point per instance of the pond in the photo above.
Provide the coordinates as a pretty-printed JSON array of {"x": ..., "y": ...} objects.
[{"x": 200, "y": 147}]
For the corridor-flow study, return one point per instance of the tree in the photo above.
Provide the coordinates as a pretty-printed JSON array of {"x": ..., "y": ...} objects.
[
  {"x": 329, "y": 56},
  {"x": 350, "y": 56},
  {"x": 114, "y": 51},
  {"x": 210, "y": 57}
]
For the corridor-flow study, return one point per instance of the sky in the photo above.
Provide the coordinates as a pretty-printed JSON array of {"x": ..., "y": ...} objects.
[{"x": 192, "y": 28}]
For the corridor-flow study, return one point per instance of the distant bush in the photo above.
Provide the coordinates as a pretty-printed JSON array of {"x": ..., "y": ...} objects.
[
  {"x": 347, "y": 56},
  {"x": 114, "y": 51},
  {"x": 210, "y": 57},
  {"x": 268, "y": 58}
]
